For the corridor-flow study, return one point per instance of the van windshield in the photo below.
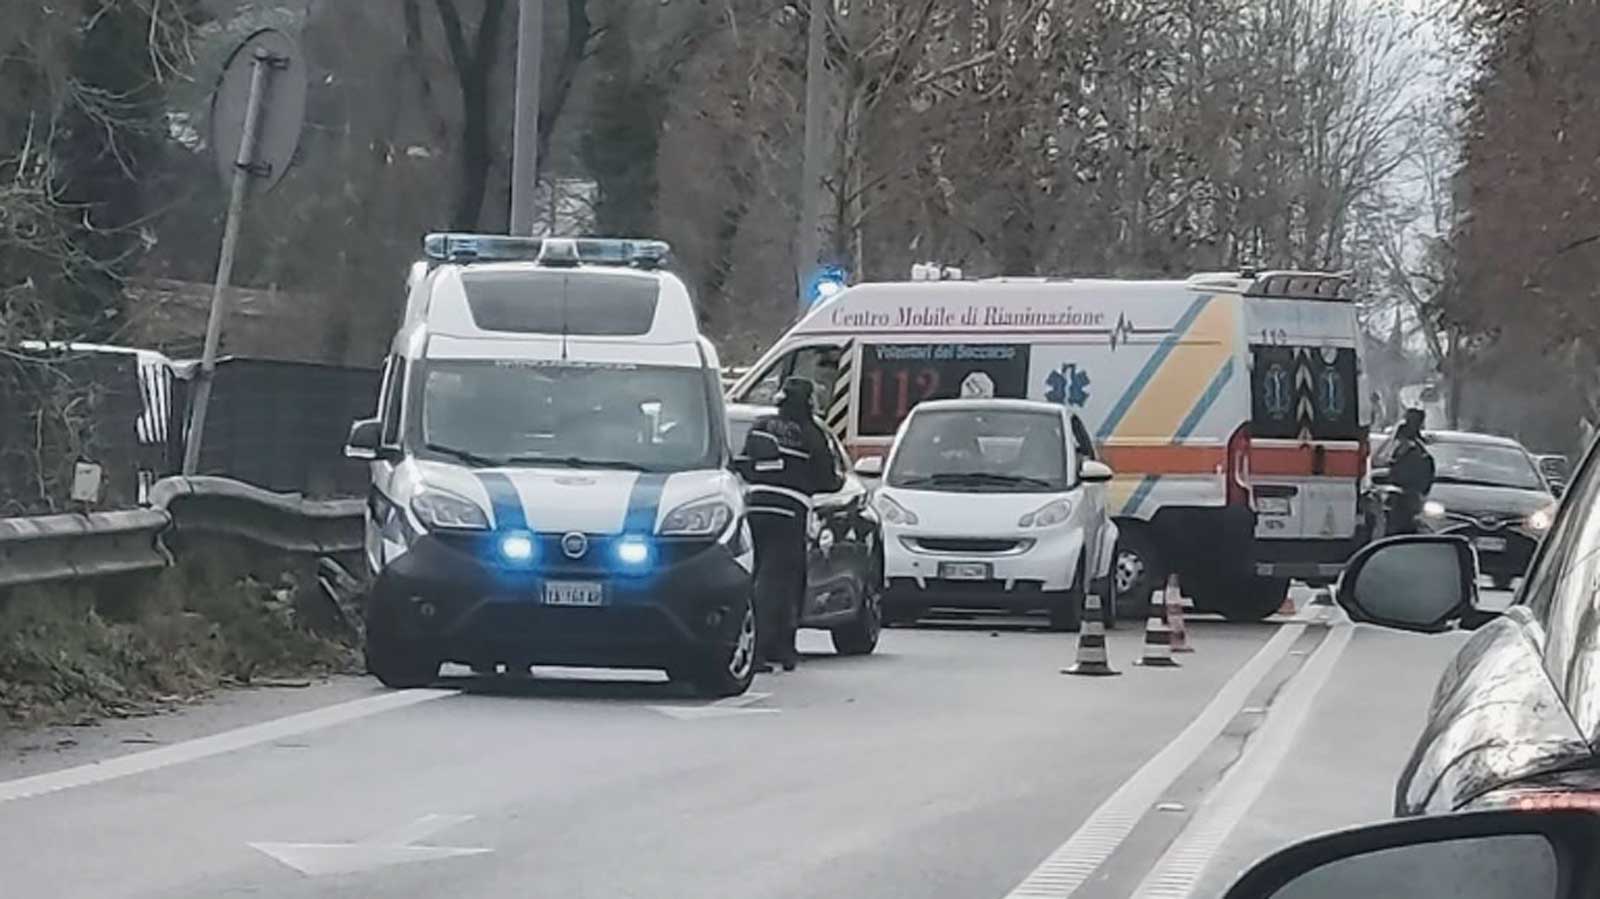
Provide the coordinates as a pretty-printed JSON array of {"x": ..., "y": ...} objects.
[
  {"x": 645, "y": 418},
  {"x": 992, "y": 451}
]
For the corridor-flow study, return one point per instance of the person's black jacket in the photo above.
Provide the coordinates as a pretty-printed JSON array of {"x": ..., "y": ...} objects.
[
  {"x": 1411, "y": 466},
  {"x": 802, "y": 468}
]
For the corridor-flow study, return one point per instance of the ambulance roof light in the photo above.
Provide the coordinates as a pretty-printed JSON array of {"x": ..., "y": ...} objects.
[
  {"x": 1287, "y": 285},
  {"x": 462, "y": 248}
]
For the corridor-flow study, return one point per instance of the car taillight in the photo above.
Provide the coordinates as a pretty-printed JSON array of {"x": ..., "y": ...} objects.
[
  {"x": 1540, "y": 800},
  {"x": 1238, "y": 474}
]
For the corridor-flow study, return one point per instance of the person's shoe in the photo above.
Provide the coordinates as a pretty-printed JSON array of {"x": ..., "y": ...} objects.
[
  {"x": 791, "y": 663},
  {"x": 762, "y": 668}
]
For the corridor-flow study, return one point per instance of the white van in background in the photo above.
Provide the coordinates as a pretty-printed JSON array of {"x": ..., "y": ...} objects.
[{"x": 1229, "y": 405}]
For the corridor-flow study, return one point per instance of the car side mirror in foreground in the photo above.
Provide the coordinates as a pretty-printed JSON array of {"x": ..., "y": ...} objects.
[
  {"x": 1093, "y": 472},
  {"x": 1412, "y": 583},
  {"x": 1481, "y": 855},
  {"x": 869, "y": 466},
  {"x": 365, "y": 437}
]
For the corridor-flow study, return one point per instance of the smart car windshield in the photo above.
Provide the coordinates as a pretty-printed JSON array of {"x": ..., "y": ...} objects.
[
  {"x": 647, "y": 418},
  {"x": 1000, "y": 450}
]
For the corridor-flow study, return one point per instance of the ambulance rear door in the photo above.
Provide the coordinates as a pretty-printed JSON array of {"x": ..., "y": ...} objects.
[{"x": 1308, "y": 432}]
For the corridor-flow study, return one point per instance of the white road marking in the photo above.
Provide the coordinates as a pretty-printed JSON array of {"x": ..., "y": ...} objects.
[
  {"x": 216, "y": 744},
  {"x": 730, "y": 707},
  {"x": 393, "y": 848},
  {"x": 1180, "y": 869},
  {"x": 1069, "y": 866}
]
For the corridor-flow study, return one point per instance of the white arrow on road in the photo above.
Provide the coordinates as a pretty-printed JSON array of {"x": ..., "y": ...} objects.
[
  {"x": 722, "y": 708},
  {"x": 391, "y": 848}
]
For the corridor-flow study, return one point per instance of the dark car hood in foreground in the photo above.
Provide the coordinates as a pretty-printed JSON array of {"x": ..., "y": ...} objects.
[
  {"x": 1495, "y": 721},
  {"x": 1475, "y": 499}
]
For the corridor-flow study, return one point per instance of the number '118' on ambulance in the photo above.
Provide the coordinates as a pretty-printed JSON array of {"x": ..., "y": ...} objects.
[{"x": 1231, "y": 406}]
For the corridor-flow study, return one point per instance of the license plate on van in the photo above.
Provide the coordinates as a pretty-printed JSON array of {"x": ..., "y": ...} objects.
[
  {"x": 964, "y": 571},
  {"x": 1491, "y": 544},
  {"x": 1273, "y": 505},
  {"x": 573, "y": 593}
]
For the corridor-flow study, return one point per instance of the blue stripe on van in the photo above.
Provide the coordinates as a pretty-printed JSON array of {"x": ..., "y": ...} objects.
[
  {"x": 1206, "y": 401},
  {"x": 1140, "y": 494},
  {"x": 1151, "y": 366},
  {"x": 644, "y": 503},
  {"x": 508, "y": 512}
]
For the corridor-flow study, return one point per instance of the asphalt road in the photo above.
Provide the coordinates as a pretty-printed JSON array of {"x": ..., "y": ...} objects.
[{"x": 956, "y": 762}]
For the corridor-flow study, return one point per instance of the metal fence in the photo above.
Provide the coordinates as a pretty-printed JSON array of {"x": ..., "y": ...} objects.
[{"x": 282, "y": 425}]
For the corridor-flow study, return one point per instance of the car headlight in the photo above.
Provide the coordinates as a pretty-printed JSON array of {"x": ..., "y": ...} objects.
[
  {"x": 893, "y": 512},
  {"x": 1433, "y": 509},
  {"x": 1050, "y": 513},
  {"x": 1540, "y": 520},
  {"x": 700, "y": 518},
  {"x": 438, "y": 509}
]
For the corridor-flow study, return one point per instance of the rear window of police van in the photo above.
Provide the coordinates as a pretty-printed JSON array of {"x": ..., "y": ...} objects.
[{"x": 592, "y": 304}]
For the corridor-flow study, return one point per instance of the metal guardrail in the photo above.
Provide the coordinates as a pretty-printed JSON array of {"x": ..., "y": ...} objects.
[
  {"x": 51, "y": 548},
  {"x": 224, "y": 507},
  {"x": 65, "y": 547}
]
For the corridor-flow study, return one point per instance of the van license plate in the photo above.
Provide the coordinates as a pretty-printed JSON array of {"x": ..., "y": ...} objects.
[
  {"x": 1491, "y": 544},
  {"x": 964, "y": 571},
  {"x": 574, "y": 593},
  {"x": 1272, "y": 505}
]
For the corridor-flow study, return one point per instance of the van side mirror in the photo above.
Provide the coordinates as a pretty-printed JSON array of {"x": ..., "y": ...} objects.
[
  {"x": 365, "y": 441},
  {"x": 1095, "y": 472},
  {"x": 1418, "y": 583},
  {"x": 869, "y": 466}
]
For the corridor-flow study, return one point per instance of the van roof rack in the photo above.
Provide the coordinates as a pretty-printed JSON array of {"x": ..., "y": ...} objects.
[
  {"x": 464, "y": 248},
  {"x": 1293, "y": 285}
]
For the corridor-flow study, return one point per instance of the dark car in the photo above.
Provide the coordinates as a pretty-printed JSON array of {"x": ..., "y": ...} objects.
[
  {"x": 1487, "y": 489},
  {"x": 1516, "y": 715},
  {"x": 844, "y": 571}
]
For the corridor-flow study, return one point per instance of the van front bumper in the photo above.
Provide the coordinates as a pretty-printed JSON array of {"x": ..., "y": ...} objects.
[{"x": 452, "y": 596}]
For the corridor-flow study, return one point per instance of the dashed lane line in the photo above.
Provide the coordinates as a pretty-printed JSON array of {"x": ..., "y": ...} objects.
[{"x": 1066, "y": 869}]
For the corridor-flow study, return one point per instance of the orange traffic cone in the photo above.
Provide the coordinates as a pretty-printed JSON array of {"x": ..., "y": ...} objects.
[
  {"x": 1157, "y": 635},
  {"x": 1288, "y": 606},
  {"x": 1180, "y": 630},
  {"x": 1092, "y": 660}
]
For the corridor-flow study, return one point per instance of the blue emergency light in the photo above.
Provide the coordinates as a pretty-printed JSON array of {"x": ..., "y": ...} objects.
[
  {"x": 461, "y": 248},
  {"x": 825, "y": 283},
  {"x": 633, "y": 552}
]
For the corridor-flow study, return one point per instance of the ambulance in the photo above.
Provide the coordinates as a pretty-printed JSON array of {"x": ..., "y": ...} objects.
[
  {"x": 551, "y": 481},
  {"x": 1229, "y": 405}
]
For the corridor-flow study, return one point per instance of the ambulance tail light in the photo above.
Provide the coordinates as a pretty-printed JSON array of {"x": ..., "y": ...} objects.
[{"x": 1238, "y": 474}]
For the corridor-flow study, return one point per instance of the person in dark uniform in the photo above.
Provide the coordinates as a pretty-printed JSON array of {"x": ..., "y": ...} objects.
[
  {"x": 788, "y": 463},
  {"x": 1411, "y": 470}
]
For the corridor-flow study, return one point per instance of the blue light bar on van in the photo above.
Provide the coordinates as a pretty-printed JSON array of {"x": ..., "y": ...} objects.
[{"x": 626, "y": 251}]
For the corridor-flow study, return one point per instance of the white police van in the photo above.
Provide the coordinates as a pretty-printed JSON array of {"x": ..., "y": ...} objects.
[{"x": 551, "y": 482}]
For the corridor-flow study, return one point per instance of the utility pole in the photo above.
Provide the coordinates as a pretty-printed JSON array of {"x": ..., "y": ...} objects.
[
  {"x": 808, "y": 241},
  {"x": 525, "y": 149}
]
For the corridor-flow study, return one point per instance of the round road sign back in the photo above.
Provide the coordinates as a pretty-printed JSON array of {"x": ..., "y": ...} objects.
[{"x": 282, "y": 111}]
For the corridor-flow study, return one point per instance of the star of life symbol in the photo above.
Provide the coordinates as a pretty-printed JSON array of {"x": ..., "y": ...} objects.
[
  {"x": 1068, "y": 384},
  {"x": 1275, "y": 392}
]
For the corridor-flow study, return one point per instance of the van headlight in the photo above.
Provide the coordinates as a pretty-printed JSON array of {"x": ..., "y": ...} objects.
[
  {"x": 1433, "y": 509},
  {"x": 700, "y": 518},
  {"x": 437, "y": 510},
  {"x": 893, "y": 512},
  {"x": 1050, "y": 513},
  {"x": 1540, "y": 521}
]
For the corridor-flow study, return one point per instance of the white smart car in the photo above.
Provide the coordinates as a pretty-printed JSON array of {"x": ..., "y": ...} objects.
[{"x": 992, "y": 504}]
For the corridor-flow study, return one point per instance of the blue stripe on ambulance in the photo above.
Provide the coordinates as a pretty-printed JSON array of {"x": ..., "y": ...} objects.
[
  {"x": 1151, "y": 366},
  {"x": 1219, "y": 382}
]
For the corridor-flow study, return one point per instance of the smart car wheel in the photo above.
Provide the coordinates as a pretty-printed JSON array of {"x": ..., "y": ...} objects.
[{"x": 860, "y": 636}]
